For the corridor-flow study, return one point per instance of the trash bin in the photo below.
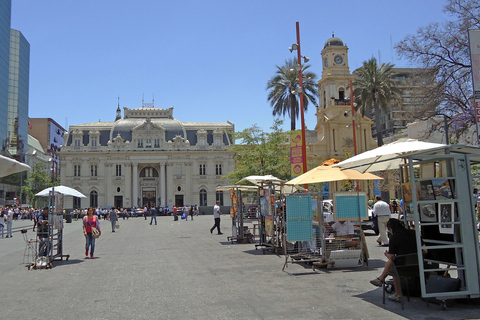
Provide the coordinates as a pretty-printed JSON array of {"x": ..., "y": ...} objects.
[{"x": 68, "y": 218}]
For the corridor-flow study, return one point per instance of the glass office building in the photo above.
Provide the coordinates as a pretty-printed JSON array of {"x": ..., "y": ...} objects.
[
  {"x": 5, "y": 12},
  {"x": 18, "y": 95}
]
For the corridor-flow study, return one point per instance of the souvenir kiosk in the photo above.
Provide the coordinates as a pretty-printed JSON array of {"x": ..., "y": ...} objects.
[
  {"x": 308, "y": 239},
  {"x": 240, "y": 231},
  {"x": 50, "y": 246},
  {"x": 271, "y": 217},
  {"x": 438, "y": 191}
]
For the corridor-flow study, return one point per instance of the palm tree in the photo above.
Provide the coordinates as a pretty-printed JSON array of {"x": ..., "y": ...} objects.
[
  {"x": 375, "y": 86},
  {"x": 281, "y": 98}
]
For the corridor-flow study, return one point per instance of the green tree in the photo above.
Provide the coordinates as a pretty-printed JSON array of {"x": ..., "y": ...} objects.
[
  {"x": 442, "y": 50},
  {"x": 261, "y": 153},
  {"x": 286, "y": 81},
  {"x": 375, "y": 87},
  {"x": 36, "y": 181}
]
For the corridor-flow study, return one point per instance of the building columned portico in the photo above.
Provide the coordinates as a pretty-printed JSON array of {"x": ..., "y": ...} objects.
[{"x": 147, "y": 158}]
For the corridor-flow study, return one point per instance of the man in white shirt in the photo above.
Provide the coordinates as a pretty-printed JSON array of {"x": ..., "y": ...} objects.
[
  {"x": 381, "y": 209},
  {"x": 9, "y": 222},
  {"x": 216, "y": 217}
]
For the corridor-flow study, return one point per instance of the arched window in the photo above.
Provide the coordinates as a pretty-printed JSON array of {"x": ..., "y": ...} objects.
[
  {"x": 94, "y": 199},
  {"x": 148, "y": 172},
  {"x": 77, "y": 203},
  {"x": 341, "y": 94},
  {"x": 203, "y": 197}
]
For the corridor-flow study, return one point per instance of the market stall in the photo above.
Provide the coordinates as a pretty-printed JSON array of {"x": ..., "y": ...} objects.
[
  {"x": 240, "y": 231},
  {"x": 51, "y": 240},
  {"x": 438, "y": 185},
  {"x": 271, "y": 213},
  {"x": 316, "y": 241}
]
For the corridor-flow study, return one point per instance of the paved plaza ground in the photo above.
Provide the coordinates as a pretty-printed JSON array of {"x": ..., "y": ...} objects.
[{"x": 178, "y": 270}]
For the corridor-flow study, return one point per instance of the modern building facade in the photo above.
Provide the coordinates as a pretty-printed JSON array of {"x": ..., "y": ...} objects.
[
  {"x": 50, "y": 135},
  {"x": 36, "y": 154},
  {"x": 394, "y": 120},
  {"x": 5, "y": 14},
  {"x": 146, "y": 158},
  {"x": 18, "y": 87}
]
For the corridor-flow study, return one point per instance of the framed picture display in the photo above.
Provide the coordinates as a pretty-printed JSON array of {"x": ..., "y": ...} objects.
[
  {"x": 442, "y": 189},
  {"x": 425, "y": 190},
  {"x": 428, "y": 212},
  {"x": 445, "y": 217}
]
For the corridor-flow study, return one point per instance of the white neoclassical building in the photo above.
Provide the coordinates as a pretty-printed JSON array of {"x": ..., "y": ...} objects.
[{"x": 147, "y": 158}]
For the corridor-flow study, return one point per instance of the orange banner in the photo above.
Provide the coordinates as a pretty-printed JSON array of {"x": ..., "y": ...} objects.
[{"x": 296, "y": 159}]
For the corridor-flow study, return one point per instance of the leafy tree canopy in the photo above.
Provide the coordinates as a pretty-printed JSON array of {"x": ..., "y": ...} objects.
[
  {"x": 36, "y": 181},
  {"x": 261, "y": 153}
]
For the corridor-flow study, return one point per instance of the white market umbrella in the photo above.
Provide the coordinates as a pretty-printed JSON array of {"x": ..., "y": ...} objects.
[
  {"x": 261, "y": 180},
  {"x": 386, "y": 157},
  {"x": 9, "y": 166},
  {"x": 66, "y": 191}
]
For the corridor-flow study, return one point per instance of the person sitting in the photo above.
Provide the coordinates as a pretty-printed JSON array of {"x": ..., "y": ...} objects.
[
  {"x": 43, "y": 233},
  {"x": 344, "y": 230},
  {"x": 403, "y": 241}
]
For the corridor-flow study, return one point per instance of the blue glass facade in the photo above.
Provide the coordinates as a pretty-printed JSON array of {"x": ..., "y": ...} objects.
[
  {"x": 18, "y": 94},
  {"x": 5, "y": 13}
]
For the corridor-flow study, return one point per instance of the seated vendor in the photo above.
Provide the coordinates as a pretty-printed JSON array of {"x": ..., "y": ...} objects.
[
  {"x": 43, "y": 232},
  {"x": 342, "y": 229}
]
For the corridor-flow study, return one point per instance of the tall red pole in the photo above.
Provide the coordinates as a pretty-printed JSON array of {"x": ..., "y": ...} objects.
[
  {"x": 300, "y": 83},
  {"x": 354, "y": 126},
  {"x": 353, "y": 119}
]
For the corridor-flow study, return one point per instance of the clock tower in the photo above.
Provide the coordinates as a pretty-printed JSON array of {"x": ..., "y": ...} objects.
[
  {"x": 334, "y": 86},
  {"x": 334, "y": 113}
]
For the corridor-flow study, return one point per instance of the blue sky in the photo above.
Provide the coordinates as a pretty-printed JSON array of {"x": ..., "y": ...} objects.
[{"x": 208, "y": 59}]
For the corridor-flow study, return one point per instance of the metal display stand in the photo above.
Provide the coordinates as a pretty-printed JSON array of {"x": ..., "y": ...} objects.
[
  {"x": 54, "y": 240},
  {"x": 307, "y": 241},
  {"x": 304, "y": 235},
  {"x": 237, "y": 214},
  {"x": 440, "y": 205},
  {"x": 271, "y": 220}
]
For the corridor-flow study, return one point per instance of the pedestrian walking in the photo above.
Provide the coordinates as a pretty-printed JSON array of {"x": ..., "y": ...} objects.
[
  {"x": 145, "y": 211},
  {"x": 2, "y": 221},
  {"x": 190, "y": 211},
  {"x": 216, "y": 217},
  {"x": 9, "y": 222},
  {"x": 113, "y": 217},
  {"x": 89, "y": 221},
  {"x": 381, "y": 209},
  {"x": 153, "y": 213}
]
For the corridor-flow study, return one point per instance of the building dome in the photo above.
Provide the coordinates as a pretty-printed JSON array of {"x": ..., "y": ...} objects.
[{"x": 333, "y": 41}]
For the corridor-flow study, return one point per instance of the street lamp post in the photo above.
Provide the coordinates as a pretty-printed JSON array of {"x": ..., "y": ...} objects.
[{"x": 300, "y": 91}]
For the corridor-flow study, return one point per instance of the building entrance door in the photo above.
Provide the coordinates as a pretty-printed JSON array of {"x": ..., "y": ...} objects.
[
  {"x": 149, "y": 195},
  {"x": 118, "y": 202},
  {"x": 179, "y": 200}
]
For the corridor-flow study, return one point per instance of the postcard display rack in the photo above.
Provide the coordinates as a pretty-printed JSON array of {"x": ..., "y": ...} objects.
[
  {"x": 440, "y": 204},
  {"x": 304, "y": 236},
  {"x": 239, "y": 233},
  {"x": 271, "y": 220}
]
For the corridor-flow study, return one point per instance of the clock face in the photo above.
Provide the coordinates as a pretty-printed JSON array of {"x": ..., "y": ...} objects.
[
  {"x": 338, "y": 59},
  {"x": 325, "y": 63}
]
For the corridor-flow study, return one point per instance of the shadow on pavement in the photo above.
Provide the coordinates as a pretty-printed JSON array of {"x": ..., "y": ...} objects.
[{"x": 66, "y": 262}]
